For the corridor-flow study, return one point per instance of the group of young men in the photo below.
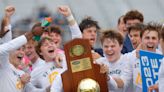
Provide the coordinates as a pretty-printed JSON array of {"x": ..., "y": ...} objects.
[{"x": 118, "y": 58}]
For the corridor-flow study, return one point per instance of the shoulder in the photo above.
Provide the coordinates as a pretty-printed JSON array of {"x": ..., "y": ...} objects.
[{"x": 102, "y": 60}]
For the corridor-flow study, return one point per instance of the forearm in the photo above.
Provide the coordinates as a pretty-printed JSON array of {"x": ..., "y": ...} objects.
[
  {"x": 75, "y": 30},
  {"x": 7, "y": 19},
  {"x": 29, "y": 35},
  {"x": 3, "y": 24},
  {"x": 71, "y": 20},
  {"x": 13, "y": 44}
]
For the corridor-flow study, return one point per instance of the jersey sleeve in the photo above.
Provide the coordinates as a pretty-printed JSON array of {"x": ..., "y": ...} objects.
[{"x": 75, "y": 31}]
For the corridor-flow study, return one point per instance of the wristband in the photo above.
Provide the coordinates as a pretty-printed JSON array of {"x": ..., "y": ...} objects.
[{"x": 70, "y": 18}]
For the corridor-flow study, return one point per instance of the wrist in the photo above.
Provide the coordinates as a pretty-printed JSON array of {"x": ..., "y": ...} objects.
[
  {"x": 70, "y": 18},
  {"x": 29, "y": 35}
]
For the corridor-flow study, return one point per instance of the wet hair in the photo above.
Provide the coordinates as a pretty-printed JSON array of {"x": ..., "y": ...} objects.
[
  {"x": 38, "y": 47},
  {"x": 113, "y": 35},
  {"x": 138, "y": 27},
  {"x": 133, "y": 14},
  {"x": 152, "y": 26},
  {"x": 87, "y": 23}
]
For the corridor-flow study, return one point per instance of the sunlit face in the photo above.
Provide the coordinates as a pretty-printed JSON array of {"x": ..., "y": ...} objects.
[
  {"x": 16, "y": 57},
  {"x": 112, "y": 49},
  {"x": 48, "y": 48},
  {"x": 91, "y": 34},
  {"x": 56, "y": 38},
  {"x": 150, "y": 40},
  {"x": 30, "y": 52},
  {"x": 135, "y": 38}
]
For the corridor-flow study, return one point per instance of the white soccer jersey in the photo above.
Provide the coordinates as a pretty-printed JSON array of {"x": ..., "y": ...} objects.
[
  {"x": 57, "y": 85},
  {"x": 10, "y": 78},
  {"x": 136, "y": 69},
  {"x": 117, "y": 69},
  {"x": 43, "y": 76},
  {"x": 9, "y": 75},
  {"x": 39, "y": 62}
]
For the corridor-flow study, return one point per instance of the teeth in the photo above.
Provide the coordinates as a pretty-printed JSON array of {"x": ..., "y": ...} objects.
[
  {"x": 150, "y": 46},
  {"x": 20, "y": 56},
  {"x": 28, "y": 54},
  {"x": 110, "y": 54}
]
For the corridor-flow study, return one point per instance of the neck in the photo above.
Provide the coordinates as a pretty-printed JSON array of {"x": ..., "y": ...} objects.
[{"x": 34, "y": 59}]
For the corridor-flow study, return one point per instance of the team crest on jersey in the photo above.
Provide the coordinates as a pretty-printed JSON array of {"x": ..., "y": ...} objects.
[
  {"x": 19, "y": 84},
  {"x": 52, "y": 76}
]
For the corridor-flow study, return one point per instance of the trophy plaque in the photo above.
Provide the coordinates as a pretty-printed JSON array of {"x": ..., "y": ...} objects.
[{"x": 81, "y": 69}]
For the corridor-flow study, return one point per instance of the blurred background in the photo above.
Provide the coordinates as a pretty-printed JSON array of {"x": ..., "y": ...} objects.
[{"x": 106, "y": 12}]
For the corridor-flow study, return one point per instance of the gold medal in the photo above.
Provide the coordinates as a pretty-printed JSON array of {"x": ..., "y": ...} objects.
[{"x": 77, "y": 50}]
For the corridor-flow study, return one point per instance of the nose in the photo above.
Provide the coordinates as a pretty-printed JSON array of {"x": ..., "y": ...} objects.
[
  {"x": 109, "y": 48},
  {"x": 93, "y": 32},
  {"x": 150, "y": 40}
]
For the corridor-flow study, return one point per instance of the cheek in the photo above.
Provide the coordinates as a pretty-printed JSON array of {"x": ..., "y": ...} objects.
[
  {"x": 42, "y": 49},
  {"x": 105, "y": 50}
]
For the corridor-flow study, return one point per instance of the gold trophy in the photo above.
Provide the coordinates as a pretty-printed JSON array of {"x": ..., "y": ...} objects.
[{"x": 88, "y": 85}]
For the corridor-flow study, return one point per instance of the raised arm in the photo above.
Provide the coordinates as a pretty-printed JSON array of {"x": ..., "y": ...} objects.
[
  {"x": 5, "y": 32},
  {"x": 21, "y": 40},
  {"x": 75, "y": 30}
]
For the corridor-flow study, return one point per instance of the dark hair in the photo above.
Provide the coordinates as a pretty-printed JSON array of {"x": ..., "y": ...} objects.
[
  {"x": 112, "y": 34},
  {"x": 37, "y": 48},
  {"x": 133, "y": 14},
  {"x": 152, "y": 26},
  {"x": 138, "y": 27},
  {"x": 88, "y": 22}
]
